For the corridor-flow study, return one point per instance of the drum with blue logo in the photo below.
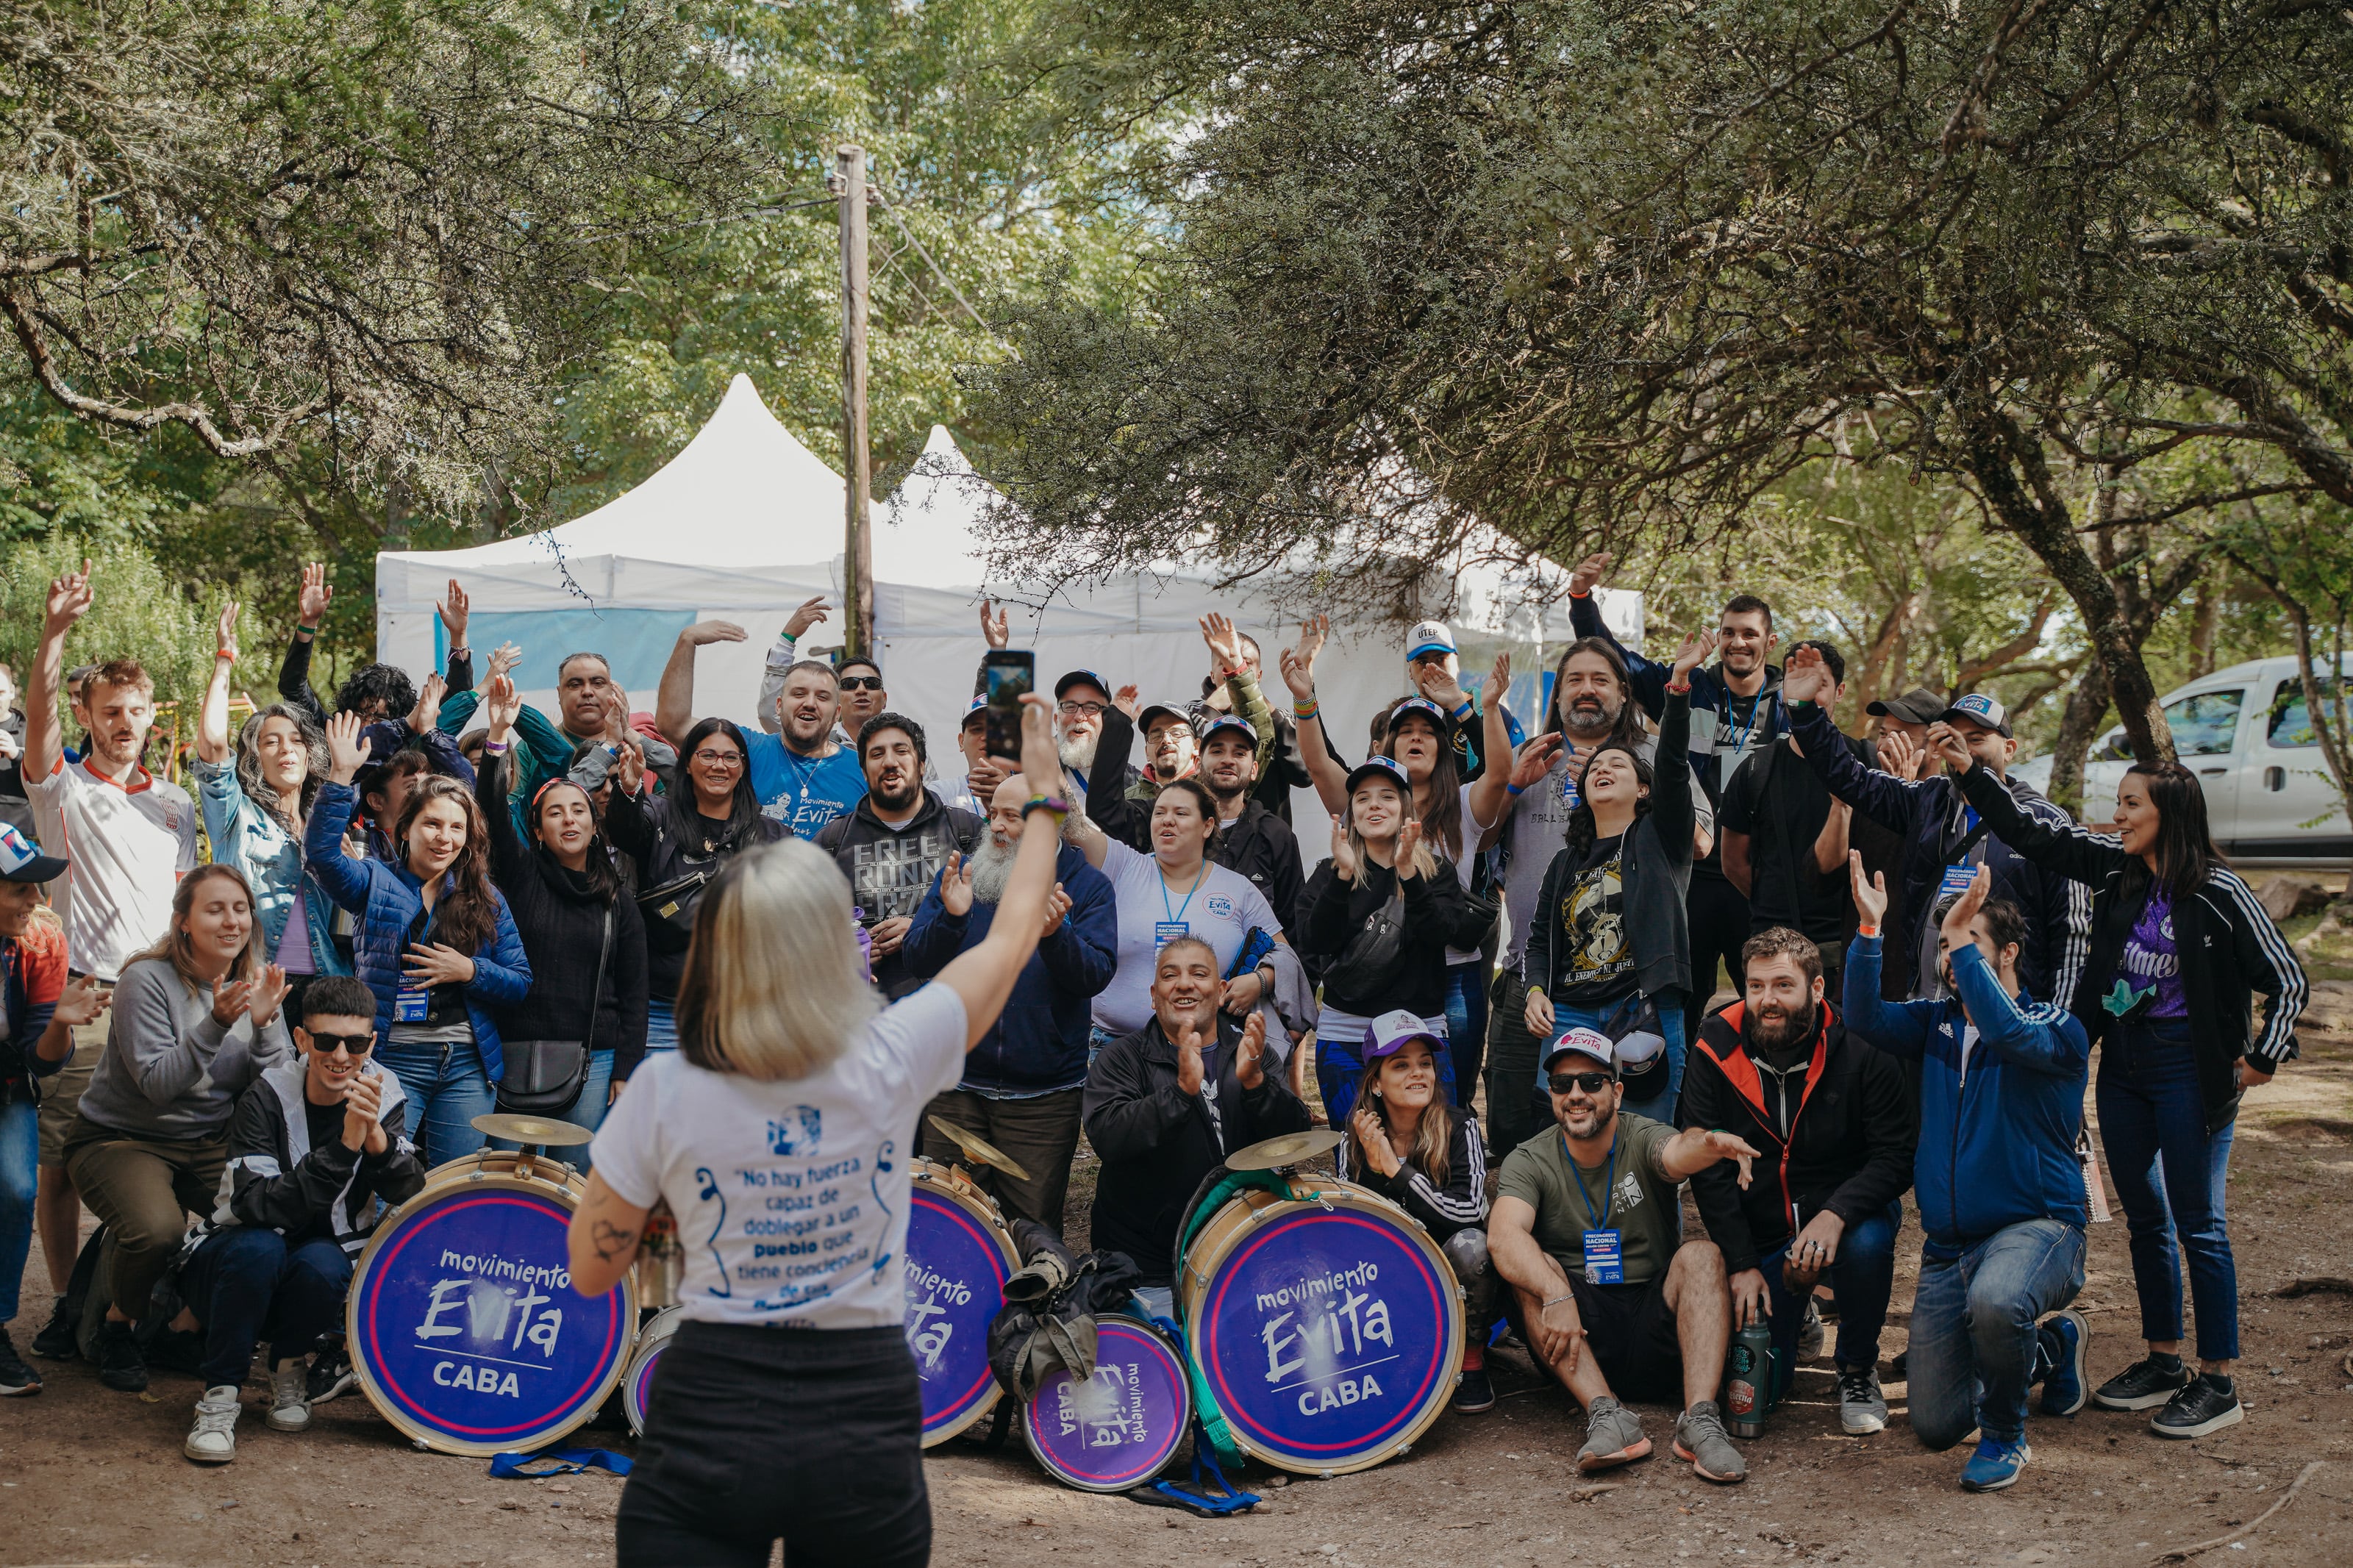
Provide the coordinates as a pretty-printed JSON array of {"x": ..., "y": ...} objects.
[
  {"x": 1119, "y": 1428},
  {"x": 1327, "y": 1325},
  {"x": 959, "y": 1256},
  {"x": 463, "y": 1326}
]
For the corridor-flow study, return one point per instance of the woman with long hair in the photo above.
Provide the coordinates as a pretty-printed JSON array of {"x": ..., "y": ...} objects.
[
  {"x": 794, "y": 1079},
  {"x": 1608, "y": 944},
  {"x": 680, "y": 841},
  {"x": 1409, "y": 1142},
  {"x": 195, "y": 1020},
  {"x": 2180, "y": 948},
  {"x": 434, "y": 941},
  {"x": 579, "y": 927}
]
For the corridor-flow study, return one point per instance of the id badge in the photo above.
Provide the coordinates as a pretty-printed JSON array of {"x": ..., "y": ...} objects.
[
  {"x": 1166, "y": 932},
  {"x": 411, "y": 1004},
  {"x": 1605, "y": 1257},
  {"x": 1956, "y": 881}
]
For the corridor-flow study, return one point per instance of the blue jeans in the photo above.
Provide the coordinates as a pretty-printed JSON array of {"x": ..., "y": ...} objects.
[
  {"x": 2169, "y": 1172},
  {"x": 1863, "y": 1275},
  {"x": 1097, "y": 1038},
  {"x": 1659, "y": 1107},
  {"x": 1974, "y": 1347},
  {"x": 447, "y": 1089},
  {"x": 588, "y": 1110},
  {"x": 247, "y": 1285},
  {"x": 1466, "y": 1026},
  {"x": 661, "y": 1025},
  {"x": 20, "y": 1178}
]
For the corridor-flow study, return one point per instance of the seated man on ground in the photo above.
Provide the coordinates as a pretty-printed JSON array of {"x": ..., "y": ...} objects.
[
  {"x": 2001, "y": 1194},
  {"x": 312, "y": 1146},
  {"x": 1584, "y": 1233},
  {"x": 1165, "y": 1105}
]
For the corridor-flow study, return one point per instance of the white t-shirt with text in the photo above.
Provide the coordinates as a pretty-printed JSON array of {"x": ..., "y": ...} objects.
[
  {"x": 1221, "y": 912},
  {"x": 125, "y": 851}
]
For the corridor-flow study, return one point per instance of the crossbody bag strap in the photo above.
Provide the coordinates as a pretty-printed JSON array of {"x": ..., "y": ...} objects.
[{"x": 596, "y": 992}]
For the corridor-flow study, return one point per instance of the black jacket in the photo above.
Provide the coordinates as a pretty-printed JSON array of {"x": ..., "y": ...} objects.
[
  {"x": 1262, "y": 846},
  {"x": 890, "y": 869},
  {"x": 2229, "y": 948},
  {"x": 647, "y": 831},
  {"x": 274, "y": 1178},
  {"x": 1157, "y": 1142},
  {"x": 562, "y": 924},
  {"x": 1850, "y": 1145},
  {"x": 1459, "y": 1204},
  {"x": 1435, "y": 919}
]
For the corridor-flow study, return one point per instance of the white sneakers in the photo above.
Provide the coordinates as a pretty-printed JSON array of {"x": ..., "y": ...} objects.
[
  {"x": 212, "y": 1439},
  {"x": 290, "y": 1404}
]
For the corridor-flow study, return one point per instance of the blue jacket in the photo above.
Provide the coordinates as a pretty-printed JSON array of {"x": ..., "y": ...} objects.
[
  {"x": 257, "y": 843},
  {"x": 384, "y": 895},
  {"x": 1998, "y": 1136},
  {"x": 1040, "y": 1042}
]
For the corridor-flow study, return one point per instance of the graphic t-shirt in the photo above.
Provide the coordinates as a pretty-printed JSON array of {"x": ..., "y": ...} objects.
[
  {"x": 1593, "y": 963},
  {"x": 1222, "y": 911},
  {"x": 791, "y": 1195},
  {"x": 1634, "y": 1198},
  {"x": 2150, "y": 958},
  {"x": 803, "y": 793},
  {"x": 125, "y": 849}
]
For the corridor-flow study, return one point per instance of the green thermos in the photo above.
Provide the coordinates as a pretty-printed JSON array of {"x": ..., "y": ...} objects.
[{"x": 1748, "y": 1381}]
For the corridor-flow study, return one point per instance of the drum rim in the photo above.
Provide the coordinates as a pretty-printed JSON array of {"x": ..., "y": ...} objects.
[
  {"x": 1434, "y": 1404},
  {"x": 646, "y": 1348},
  {"x": 1184, "y": 1424},
  {"x": 968, "y": 1199},
  {"x": 438, "y": 1183}
]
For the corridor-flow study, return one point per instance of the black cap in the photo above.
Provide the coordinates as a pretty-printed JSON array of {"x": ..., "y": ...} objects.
[{"x": 1917, "y": 706}]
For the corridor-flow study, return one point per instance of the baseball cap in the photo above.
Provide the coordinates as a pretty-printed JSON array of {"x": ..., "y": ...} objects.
[
  {"x": 1145, "y": 721},
  {"x": 1424, "y": 706},
  {"x": 1917, "y": 706},
  {"x": 1979, "y": 709},
  {"x": 1579, "y": 1039},
  {"x": 1384, "y": 768},
  {"x": 1233, "y": 721},
  {"x": 976, "y": 714},
  {"x": 1428, "y": 637},
  {"x": 1392, "y": 1032},
  {"x": 21, "y": 859},
  {"x": 1082, "y": 678}
]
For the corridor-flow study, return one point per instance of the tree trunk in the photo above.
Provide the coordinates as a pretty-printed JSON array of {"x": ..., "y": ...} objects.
[
  {"x": 2079, "y": 725},
  {"x": 2204, "y": 618}
]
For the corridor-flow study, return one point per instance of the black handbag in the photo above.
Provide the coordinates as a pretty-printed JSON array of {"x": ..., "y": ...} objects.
[
  {"x": 1371, "y": 957},
  {"x": 672, "y": 905},
  {"x": 545, "y": 1078}
]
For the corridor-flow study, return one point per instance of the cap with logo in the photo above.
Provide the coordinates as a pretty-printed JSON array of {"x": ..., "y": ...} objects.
[
  {"x": 1428, "y": 637},
  {"x": 976, "y": 714},
  {"x": 1392, "y": 1032},
  {"x": 1581, "y": 1039},
  {"x": 21, "y": 859},
  {"x": 1385, "y": 769},
  {"x": 1979, "y": 709},
  {"x": 1427, "y": 709},
  {"x": 1917, "y": 706},
  {"x": 1225, "y": 721},
  {"x": 1081, "y": 678},
  {"x": 1158, "y": 712}
]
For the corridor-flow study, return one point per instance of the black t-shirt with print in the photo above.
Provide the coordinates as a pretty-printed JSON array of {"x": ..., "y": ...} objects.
[{"x": 1594, "y": 962}]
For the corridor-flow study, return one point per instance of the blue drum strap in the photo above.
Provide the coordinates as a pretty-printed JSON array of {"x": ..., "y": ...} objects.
[
  {"x": 1225, "y": 1500},
  {"x": 555, "y": 1462}
]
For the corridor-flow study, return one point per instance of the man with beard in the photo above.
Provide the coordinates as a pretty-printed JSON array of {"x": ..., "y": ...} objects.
[
  {"x": 804, "y": 777},
  {"x": 1171, "y": 749},
  {"x": 1736, "y": 711},
  {"x": 892, "y": 844},
  {"x": 1834, "y": 1119},
  {"x": 592, "y": 729},
  {"x": 1592, "y": 702},
  {"x": 1252, "y": 838},
  {"x": 1280, "y": 771},
  {"x": 1082, "y": 708},
  {"x": 1024, "y": 1082},
  {"x": 1585, "y": 1233},
  {"x": 2001, "y": 1196},
  {"x": 1166, "y": 1104}
]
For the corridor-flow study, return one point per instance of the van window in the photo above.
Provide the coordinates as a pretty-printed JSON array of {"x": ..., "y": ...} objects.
[
  {"x": 2205, "y": 725},
  {"x": 2117, "y": 749},
  {"x": 2290, "y": 725}
]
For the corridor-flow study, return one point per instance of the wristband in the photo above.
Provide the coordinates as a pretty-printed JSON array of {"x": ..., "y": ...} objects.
[
  {"x": 1052, "y": 802},
  {"x": 1557, "y": 1300},
  {"x": 303, "y": 631},
  {"x": 1307, "y": 710},
  {"x": 1512, "y": 790},
  {"x": 495, "y": 748},
  {"x": 1683, "y": 690},
  {"x": 1871, "y": 932},
  {"x": 227, "y": 653},
  {"x": 1465, "y": 709}
]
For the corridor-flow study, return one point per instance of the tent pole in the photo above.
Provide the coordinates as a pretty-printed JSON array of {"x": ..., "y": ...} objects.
[{"x": 858, "y": 553}]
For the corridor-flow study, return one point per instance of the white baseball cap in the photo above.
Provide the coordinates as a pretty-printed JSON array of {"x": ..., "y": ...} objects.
[{"x": 1429, "y": 636}]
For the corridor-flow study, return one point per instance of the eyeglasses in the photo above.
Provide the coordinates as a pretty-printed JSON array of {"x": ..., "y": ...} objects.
[
  {"x": 351, "y": 1044},
  {"x": 719, "y": 759},
  {"x": 1592, "y": 1083},
  {"x": 861, "y": 683},
  {"x": 1080, "y": 710}
]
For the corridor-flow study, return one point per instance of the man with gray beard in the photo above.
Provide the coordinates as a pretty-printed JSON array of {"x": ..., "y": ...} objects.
[{"x": 1024, "y": 1082}]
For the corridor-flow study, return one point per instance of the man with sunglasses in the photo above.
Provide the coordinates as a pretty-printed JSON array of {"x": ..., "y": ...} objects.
[
  {"x": 314, "y": 1146},
  {"x": 1585, "y": 1232}
]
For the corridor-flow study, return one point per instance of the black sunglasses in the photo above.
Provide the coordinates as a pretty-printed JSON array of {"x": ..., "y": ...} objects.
[
  {"x": 861, "y": 683},
  {"x": 1592, "y": 1083},
  {"x": 354, "y": 1045}
]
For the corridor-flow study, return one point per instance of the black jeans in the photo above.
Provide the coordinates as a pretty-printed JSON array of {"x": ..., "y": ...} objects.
[
  {"x": 813, "y": 1436},
  {"x": 1717, "y": 915}
]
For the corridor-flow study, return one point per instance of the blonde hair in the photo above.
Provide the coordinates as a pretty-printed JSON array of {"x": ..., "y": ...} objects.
[
  {"x": 774, "y": 986},
  {"x": 173, "y": 947},
  {"x": 1425, "y": 863}
]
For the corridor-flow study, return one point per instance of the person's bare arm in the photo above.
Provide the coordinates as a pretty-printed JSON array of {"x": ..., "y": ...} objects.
[
  {"x": 69, "y": 600},
  {"x": 1736, "y": 862},
  {"x": 604, "y": 1239},
  {"x": 1695, "y": 1149},
  {"x": 674, "y": 698},
  {"x": 212, "y": 721},
  {"x": 1547, "y": 1307},
  {"x": 1298, "y": 665},
  {"x": 1831, "y": 845}
]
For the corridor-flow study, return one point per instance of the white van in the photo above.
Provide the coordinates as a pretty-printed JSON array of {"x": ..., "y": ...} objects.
[{"x": 2268, "y": 792}]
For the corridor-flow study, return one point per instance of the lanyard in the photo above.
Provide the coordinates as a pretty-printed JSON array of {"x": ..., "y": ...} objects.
[
  {"x": 1609, "y": 1193},
  {"x": 1755, "y": 708},
  {"x": 1178, "y": 912}
]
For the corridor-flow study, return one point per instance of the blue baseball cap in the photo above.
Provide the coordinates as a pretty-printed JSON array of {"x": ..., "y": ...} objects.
[
  {"x": 21, "y": 859},
  {"x": 1427, "y": 709},
  {"x": 1392, "y": 1032},
  {"x": 1980, "y": 710},
  {"x": 1082, "y": 678},
  {"x": 1384, "y": 768},
  {"x": 1233, "y": 721}
]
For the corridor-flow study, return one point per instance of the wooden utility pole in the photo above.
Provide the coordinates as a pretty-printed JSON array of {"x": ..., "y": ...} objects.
[{"x": 850, "y": 185}]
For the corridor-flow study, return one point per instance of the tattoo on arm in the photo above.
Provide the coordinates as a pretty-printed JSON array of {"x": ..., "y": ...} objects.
[{"x": 610, "y": 1240}]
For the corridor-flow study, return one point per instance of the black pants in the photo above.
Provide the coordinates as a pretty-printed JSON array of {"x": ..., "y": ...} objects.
[
  {"x": 1515, "y": 1111},
  {"x": 1718, "y": 917},
  {"x": 756, "y": 1435}
]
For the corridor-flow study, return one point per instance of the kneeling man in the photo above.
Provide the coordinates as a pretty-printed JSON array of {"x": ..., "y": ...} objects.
[{"x": 1584, "y": 1232}]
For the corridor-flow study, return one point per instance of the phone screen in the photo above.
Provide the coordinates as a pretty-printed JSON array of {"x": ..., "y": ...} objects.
[{"x": 1011, "y": 674}]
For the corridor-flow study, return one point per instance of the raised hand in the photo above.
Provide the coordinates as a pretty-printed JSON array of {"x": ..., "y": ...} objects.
[
  {"x": 224, "y": 633},
  {"x": 503, "y": 658},
  {"x": 1432, "y": 681},
  {"x": 427, "y": 711},
  {"x": 1042, "y": 763},
  {"x": 1408, "y": 839},
  {"x": 1948, "y": 743},
  {"x": 617, "y": 715},
  {"x": 629, "y": 766},
  {"x": 310, "y": 605},
  {"x": 955, "y": 886},
  {"x": 1374, "y": 1139},
  {"x": 69, "y": 599},
  {"x": 702, "y": 634},
  {"x": 453, "y": 609},
  {"x": 1499, "y": 678},
  {"x": 992, "y": 629},
  {"x": 1696, "y": 648},
  {"x": 1298, "y": 673},
  {"x": 347, "y": 753},
  {"x": 1225, "y": 643},
  {"x": 363, "y": 1112},
  {"x": 1250, "y": 1055},
  {"x": 1533, "y": 761},
  {"x": 1897, "y": 753},
  {"x": 1805, "y": 678},
  {"x": 1189, "y": 1060},
  {"x": 1964, "y": 912},
  {"x": 1343, "y": 854},
  {"x": 230, "y": 1002},
  {"x": 1870, "y": 895},
  {"x": 1128, "y": 701},
  {"x": 812, "y": 611},
  {"x": 1590, "y": 573},
  {"x": 1730, "y": 1146},
  {"x": 267, "y": 995},
  {"x": 1313, "y": 633},
  {"x": 502, "y": 707},
  {"x": 1058, "y": 904}
]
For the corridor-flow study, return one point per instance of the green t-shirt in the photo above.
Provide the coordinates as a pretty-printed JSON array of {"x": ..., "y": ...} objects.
[{"x": 1643, "y": 1208}]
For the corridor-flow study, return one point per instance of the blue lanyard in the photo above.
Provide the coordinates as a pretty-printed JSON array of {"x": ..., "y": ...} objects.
[
  {"x": 1755, "y": 708},
  {"x": 1609, "y": 1193},
  {"x": 1178, "y": 912}
]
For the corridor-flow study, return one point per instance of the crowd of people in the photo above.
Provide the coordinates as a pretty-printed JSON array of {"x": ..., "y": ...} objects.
[{"x": 426, "y": 899}]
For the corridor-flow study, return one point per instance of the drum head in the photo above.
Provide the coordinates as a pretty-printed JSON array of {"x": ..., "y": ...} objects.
[
  {"x": 638, "y": 1387},
  {"x": 1119, "y": 1428},
  {"x": 463, "y": 1325},
  {"x": 959, "y": 1256},
  {"x": 1329, "y": 1330}
]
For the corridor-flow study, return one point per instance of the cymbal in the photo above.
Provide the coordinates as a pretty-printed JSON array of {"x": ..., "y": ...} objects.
[
  {"x": 1290, "y": 1148},
  {"x": 975, "y": 1147},
  {"x": 543, "y": 1131}
]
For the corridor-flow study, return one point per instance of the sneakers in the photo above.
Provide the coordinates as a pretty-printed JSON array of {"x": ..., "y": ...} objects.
[
  {"x": 2206, "y": 1404},
  {"x": 1613, "y": 1436},
  {"x": 1994, "y": 1466},
  {"x": 1475, "y": 1392},
  {"x": 16, "y": 1377},
  {"x": 2065, "y": 1386},
  {"x": 290, "y": 1404},
  {"x": 120, "y": 1364},
  {"x": 1863, "y": 1409},
  {"x": 1812, "y": 1335},
  {"x": 56, "y": 1342},
  {"x": 2142, "y": 1386},
  {"x": 212, "y": 1439},
  {"x": 1700, "y": 1438},
  {"x": 331, "y": 1377}
]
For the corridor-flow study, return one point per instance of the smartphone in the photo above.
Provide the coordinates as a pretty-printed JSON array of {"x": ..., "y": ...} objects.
[{"x": 1008, "y": 675}]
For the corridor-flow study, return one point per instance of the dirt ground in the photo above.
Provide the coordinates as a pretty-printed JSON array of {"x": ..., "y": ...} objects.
[{"x": 90, "y": 1477}]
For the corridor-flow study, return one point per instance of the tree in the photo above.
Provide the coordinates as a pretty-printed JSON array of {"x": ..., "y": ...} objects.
[
  {"x": 1603, "y": 274},
  {"x": 2301, "y": 554}
]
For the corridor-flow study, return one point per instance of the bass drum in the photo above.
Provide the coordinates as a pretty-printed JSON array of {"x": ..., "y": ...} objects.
[
  {"x": 462, "y": 1324},
  {"x": 1327, "y": 1325},
  {"x": 637, "y": 1386},
  {"x": 1119, "y": 1428},
  {"x": 959, "y": 1256}
]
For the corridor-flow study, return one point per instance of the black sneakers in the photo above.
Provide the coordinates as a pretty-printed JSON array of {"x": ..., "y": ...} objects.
[
  {"x": 120, "y": 1364},
  {"x": 1475, "y": 1392},
  {"x": 56, "y": 1342},
  {"x": 2142, "y": 1386},
  {"x": 16, "y": 1377},
  {"x": 2208, "y": 1405}
]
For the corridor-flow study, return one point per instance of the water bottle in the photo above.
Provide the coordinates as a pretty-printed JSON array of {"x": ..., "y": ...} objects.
[{"x": 1748, "y": 1381}]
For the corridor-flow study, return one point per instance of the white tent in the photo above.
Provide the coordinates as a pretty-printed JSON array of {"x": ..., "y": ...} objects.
[{"x": 745, "y": 524}]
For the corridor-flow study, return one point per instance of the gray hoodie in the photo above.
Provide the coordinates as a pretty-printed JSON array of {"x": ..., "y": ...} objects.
[{"x": 171, "y": 1071}]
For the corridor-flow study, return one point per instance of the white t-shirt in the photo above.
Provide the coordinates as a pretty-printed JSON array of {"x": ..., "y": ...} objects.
[
  {"x": 125, "y": 849},
  {"x": 791, "y": 1196},
  {"x": 1221, "y": 910}
]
